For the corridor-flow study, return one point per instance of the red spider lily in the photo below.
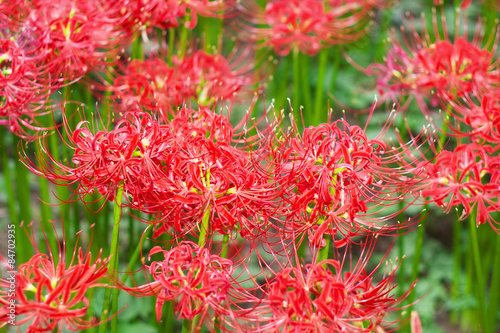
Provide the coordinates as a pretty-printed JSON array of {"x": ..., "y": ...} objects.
[
  {"x": 11, "y": 13},
  {"x": 328, "y": 297},
  {"x": 209, "y": 177},
  {"x": 194, "y": 279},
  {"x": 77, "y": 35},
  {"x": 468, "y": 177},
  {"x": 23, "y": 93},
  {"x": 168, "y": 14},
  {"x": 148, "y": 84},
  {"x": 155, "y": 86},
  {"x": 128, "y": 156},
  {"x": 306, "y": 25},
  {"x": 181, "y": 171},
  {"x": 427, "y": 65},
  {"x": 211, "y": 77},
  {"x": 336, "y": 179},
  {"x": 481, "y": 118},
  {"x": 50, "y": 295}
]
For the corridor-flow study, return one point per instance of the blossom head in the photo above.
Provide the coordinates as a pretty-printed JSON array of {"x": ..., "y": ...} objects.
[
  {"x": 466, "y": 176},
  {"x": 427, "y": 65},
  {"x": 324, "y": 297},
  {"x": 50, "y": 292},
  {"x": 153, "y": 85},
  {"x": 476, "y": 117},
  {"x": 104, "y": 160},
  {"x": 25, "y": 88},
  {"x": 191, "y": 277},
  {"x": 335, "y": 179},
  {"x": 306, "y": 26},
  {"x": 167, "y": 14},
  {"x": 77, "y": 35}
]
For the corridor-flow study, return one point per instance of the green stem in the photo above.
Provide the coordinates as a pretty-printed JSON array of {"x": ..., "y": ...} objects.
[
  {"x": 444, "y": 130},
  {"x": 45, "y": 208},
  {"x": 306, "y": 91},
  {"x": 281, "y": 86},
  {"x": 323, "y": 253},
  {"x": 204, "y": 227},
  {"x": 318, "y": 100},
  {"x": 24, "y": 200},
  {"x": 495, "y": 285},
  {"x": 171, "y": 40},
  {"x": 135, "y": 255},
  {"x": 296, "y": 100},
  {"x": 416, "y": 258},
  {"x": 479, "y": 273},
  {"x": 184, "y": 38},
  {"x": 113, "y": 263},
  {"x": 335, "y": 71},
  {"x": 225, "y": 240},
  {"x": 137, "y": 50},
  {"x": 401, "y": 251},
  {"x": 62, "y": 192},
  {"x": 186, "y": 326},
  {"x": 131, "y": 234},
  {"x": 107, "y": 222},
  {"x": 467, "y": 317},
  {"x": 6, "y": 169},
  {"x": 167, "y": 323},
  {"x": 457, "y": 265},
  {"x": 88, "y": 314}
]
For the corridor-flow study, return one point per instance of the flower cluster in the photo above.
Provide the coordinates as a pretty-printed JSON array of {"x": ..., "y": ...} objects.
[
  {"x": 323, "y": 297},
  {"x": 462, "y": 75},
  {"x": 104, "y": 160},
  {"x": 51, "y": 294},
  {"x": 46, "y": 45},
  {"x": 335, "y": 179},
  {"x": 429, "y": 66},
  {"x": 476, "y": 117},
  {"x": 196, "y": 279},
  {"x": 153, "y": 85},
  {"x": 168, "y": 14},
  {"x": 466, "y": 177},
  {"x": 24, "y": 89},
  {"x": 305, "y": 25},
  {"x": 181, "y": 170},
  {"x": 230, "y": 204}
]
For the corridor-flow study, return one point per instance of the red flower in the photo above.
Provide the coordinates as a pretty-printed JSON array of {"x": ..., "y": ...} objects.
[
  {"x": 24, "y": 91},
  {"x": 194, "y": 279},
  {"x": 208, "y": 175},
  {"x": 335, "y": 179},
  {"x": 179, "y": 171},
  {"x": 50, "y": 295},
  {"x": 307, "y": 25},
  {"x": 468, "y": 177},
  {"x": 12, "y": 13},
  {"x": 208, "y": 78},
  {"x": 155, "y": 86},
  {"x": 128, "y": 156},
  {"x": 167, "y": 14},
  {"x": 482, "y": 122},
  {"x": 325, "y": 297},
  {"x": 74, "y": 36},
  {"x": 149, "y": 84},
  {"x": 448, "y": 67}
]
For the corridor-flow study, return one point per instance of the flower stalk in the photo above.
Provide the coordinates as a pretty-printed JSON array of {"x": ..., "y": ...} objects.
[{"x": 111, "y": 296}]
